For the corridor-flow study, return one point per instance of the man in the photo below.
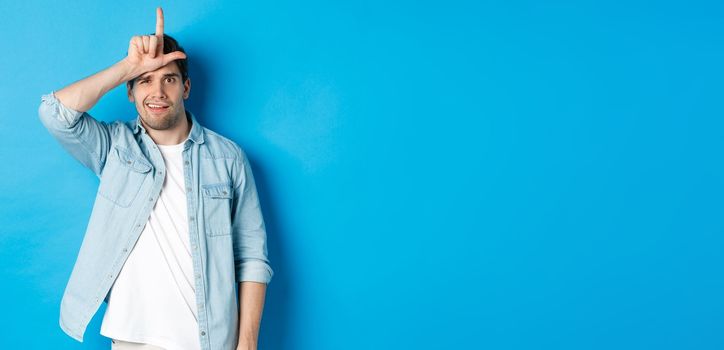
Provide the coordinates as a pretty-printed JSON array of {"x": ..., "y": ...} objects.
[{"x": 176, "y": 221}]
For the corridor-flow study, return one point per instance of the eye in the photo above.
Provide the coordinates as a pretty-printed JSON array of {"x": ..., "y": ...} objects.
[
  {"x": 142, "y": 81},
  {"x": 170, "y": 79}
]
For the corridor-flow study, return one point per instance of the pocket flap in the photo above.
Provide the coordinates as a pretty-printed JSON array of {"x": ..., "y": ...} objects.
[
  {"x": 217, "y": 190},
  {"x": 134, "y": 162}
]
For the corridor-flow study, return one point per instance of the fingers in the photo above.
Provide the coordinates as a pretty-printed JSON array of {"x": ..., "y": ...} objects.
[
  {"x": 176, "y": 55},
  {"x": 153, "y": 45},
  {"x": 137, "y": 42},
  {"x": 159, "y": 33},
  {"x": 159, "y": 22},
  {"x": 146, "y": 42}
]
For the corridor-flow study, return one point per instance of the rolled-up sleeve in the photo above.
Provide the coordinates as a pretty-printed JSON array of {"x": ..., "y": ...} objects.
[
  {"x": 248, "y": 229},
  {"x": 53, "y": 113},
  {"x": 86, "y": 139}
]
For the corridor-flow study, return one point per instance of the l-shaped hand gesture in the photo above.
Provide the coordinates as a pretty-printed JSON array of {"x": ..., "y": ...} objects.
[{"x": 145, "y": 52}]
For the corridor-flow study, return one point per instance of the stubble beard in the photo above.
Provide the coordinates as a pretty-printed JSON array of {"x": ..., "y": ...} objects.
[{"x": 160, "y": 123}]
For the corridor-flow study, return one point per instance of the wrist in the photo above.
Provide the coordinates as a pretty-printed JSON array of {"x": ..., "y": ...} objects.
[
  {"x": 247, "y": 340},
  {"x": 245, "y": 344},
  {"x": 127, "y": 70}
]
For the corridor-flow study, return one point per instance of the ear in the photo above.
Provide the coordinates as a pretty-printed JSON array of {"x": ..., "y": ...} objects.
[
  {"x": 187, "y": 88},
  {"x": 129, "y": 91}
]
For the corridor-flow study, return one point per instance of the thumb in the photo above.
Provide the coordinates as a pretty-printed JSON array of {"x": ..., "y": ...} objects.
[{"x": 176, "y": 55}]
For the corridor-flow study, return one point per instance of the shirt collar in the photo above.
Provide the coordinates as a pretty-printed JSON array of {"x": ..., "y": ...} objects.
[{"x": 196, "y": 134}]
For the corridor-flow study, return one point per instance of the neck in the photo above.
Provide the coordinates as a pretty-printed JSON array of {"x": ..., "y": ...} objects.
[{"x": 172, "y": 136}]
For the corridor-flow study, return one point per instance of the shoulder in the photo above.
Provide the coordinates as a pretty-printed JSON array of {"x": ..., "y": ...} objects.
[{"x": 218, "y": 146}]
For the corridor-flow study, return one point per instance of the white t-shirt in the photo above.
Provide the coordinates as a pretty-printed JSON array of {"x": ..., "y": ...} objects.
[{"x": 153, "y": 299}]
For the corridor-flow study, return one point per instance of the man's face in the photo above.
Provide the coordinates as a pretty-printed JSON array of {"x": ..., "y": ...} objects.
[{"x": 159, "y": 95}]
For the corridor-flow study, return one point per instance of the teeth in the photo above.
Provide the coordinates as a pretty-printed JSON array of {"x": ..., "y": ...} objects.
[{"x": 155, "y": 106}]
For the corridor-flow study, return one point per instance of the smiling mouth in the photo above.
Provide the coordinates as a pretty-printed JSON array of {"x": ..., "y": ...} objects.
[{"x": 156, "y": 108}]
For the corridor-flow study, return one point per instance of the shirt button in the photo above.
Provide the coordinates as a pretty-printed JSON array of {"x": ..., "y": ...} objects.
[
  {"x": 203, "y": 333},
  {"x": 192, "y": 218},
  {"x": 150, "y": 199},
  {"x": 188, "y": 189},
  {"x": 125, "y": 250},
  {"x": 186, "y": 162}
]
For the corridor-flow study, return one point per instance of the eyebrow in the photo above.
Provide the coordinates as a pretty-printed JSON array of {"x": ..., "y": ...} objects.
[{"x": 164, "y": 76}]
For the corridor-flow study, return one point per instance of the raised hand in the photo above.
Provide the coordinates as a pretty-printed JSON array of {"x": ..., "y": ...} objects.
[{"x": 145, "y": 52}]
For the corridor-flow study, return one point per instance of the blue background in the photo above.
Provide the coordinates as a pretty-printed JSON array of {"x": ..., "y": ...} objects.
[{"x": 452, "y": 175}]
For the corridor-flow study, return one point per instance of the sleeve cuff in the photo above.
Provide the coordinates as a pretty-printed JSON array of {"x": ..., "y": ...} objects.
[
  {"x": 60, "y": 112},
  {"x": 254, "y": 271}
]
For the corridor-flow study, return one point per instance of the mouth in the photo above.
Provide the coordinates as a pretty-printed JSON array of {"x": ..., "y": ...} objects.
[{"x": 157, "y": 107}]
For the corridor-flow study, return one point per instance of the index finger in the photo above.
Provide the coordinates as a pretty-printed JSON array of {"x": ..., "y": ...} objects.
[{"x": 159, "y": 22}]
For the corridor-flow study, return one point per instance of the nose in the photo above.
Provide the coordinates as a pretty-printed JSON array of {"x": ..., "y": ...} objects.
[{"x": 158, "y": 91}]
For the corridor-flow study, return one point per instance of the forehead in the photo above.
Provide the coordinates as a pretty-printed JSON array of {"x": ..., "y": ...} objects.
[{"x": 169, "y": 68}]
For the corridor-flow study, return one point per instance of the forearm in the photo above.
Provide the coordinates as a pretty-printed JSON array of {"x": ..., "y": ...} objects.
[
  {"x": 82, "y": 95},
  {"x": 251, "y": 305}
]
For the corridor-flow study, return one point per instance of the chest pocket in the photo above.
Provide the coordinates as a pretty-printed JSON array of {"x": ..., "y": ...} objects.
[
  {"x": 123, "y": 176},
  {"x": 217, "y": 209}
]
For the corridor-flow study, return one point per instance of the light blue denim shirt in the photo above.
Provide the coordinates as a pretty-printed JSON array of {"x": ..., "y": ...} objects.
[{"x": 226, "y": 227}]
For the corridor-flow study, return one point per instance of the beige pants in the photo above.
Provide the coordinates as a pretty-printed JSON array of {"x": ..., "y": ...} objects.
[{"x": 126, "y": 345}]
